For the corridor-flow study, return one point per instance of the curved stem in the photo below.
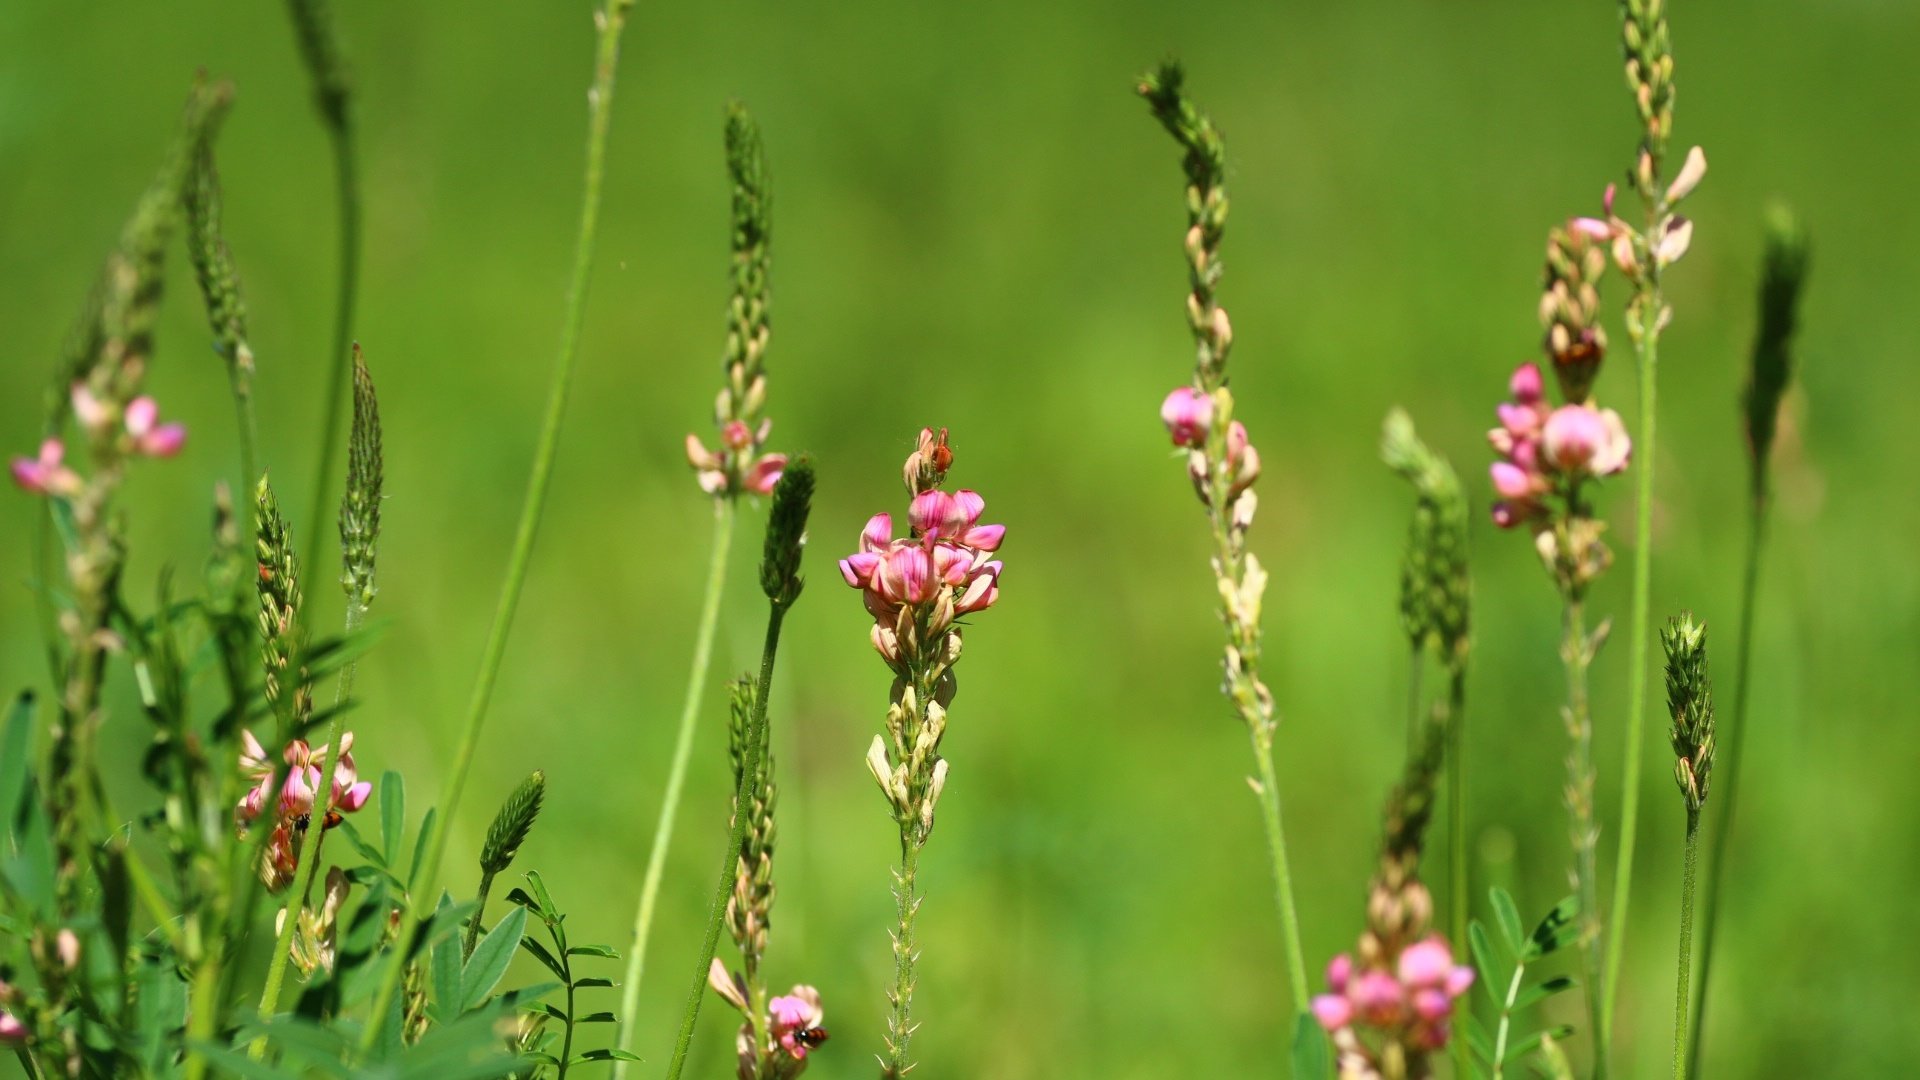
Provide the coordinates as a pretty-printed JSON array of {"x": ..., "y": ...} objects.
[
  {"x": 339, "y": 369},
  {"x": 743, "y": 796},
  {"x": 1731, "y": 754},
  {"x": 1681, "y": 997},
  {"x": 723, "y": 517},
  {"x": 611, "y": 20},
  {"x": 1269, "y": 795},
  {"x": 1577, "y": 651},
  {"x": 1648, "y": 345}
]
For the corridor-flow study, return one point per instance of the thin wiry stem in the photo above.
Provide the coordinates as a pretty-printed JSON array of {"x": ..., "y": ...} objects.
[
  {"x": 610, "y": 21},
  {"x": 1647, "y": 347},
  {"x": 1268, "y": 792},
  {"x": 723, "y": 517},
  {"x": 340, "y": 367},
  {"x": 743, "y": 797},
  {"x": 1681, "y": 997},
  {"x": 1457, "y": 883},
  {"x": 1733, "y": 753},
  {"x": 906, "y": 897},
  {"x": 1577, "y": 652}
]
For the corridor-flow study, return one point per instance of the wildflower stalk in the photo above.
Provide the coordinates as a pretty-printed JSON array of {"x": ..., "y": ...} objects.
[
  {"x": 780, "y": 579},
  {"x": 1576, "y": 652},
  {"x": 1223, "y": 465},
  {"x": 1643, "y": 255},
  {"x": 359, "y": 540},
  {"x": 1690, "y": 704},
  {"x": 504, "y": 837},
  {"x": 1782, "y": 278},
  {"x": 319, "y": 41},
  {"x": 738, "y": 468},
  {"x": 609, "y": 21}
]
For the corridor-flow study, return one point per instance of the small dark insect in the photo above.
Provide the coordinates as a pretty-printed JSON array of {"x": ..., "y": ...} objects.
[
  {"x": 811, "y": 1038},
  {"x": 301, "y": 823}
]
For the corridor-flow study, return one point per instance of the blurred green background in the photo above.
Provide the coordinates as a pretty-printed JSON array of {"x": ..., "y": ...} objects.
[{"x": 977, "y": 225}]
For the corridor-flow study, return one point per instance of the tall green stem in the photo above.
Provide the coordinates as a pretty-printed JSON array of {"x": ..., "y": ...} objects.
[
  {"x": 1647, "y": 346},
  {"x": 611, "y": 20},
  {"x": 1269, "y": 796},
  {"x": 339, "y": 368},
  {"x": 723, "y": 517},
  {"x": 1733, "y": 754},
  {"x": 1457, "y": 884},
  {"x": 743, "y": 797},
  {"x": 1577, "y": 651},
  {"x": 1681, "y": 997},
  {"x": 906, "y": 897}
]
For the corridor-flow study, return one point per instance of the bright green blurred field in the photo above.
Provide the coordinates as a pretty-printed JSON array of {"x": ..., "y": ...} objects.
[{"x": 977, "y": 225}]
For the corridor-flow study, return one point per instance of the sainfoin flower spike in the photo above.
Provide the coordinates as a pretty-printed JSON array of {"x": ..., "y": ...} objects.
[
  {"x": 793, "y": 1022},
  {"x": 299, "y": 801},
  {"x": 917, "y": 587}
]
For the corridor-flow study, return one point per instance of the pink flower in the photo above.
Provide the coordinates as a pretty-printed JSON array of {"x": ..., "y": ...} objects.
[
  {"x": 150, "y": 437},
  {"x": 1580, "y": 439},
  {"x": 940, "y": 569},
  {"x": 45, "y": 475},
  {"x": 1188, "y": 414},
  {"x": 1333, "y": 1011},
  {"x": 12, "y": 1031},
  {"x": 1426, "y": 962},
  {"x": 764, "y": 473},
  {"x": 796, "y": 1018},
  {"x": 299, "y": 797}
]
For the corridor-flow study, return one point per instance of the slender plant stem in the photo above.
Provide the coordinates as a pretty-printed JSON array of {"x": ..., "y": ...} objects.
[
  {"x": 479, "y": 913},
  {"x": 723, "y": 518},
  {"x": 340, "y": 368},
  {"x": 906, "y": 896},
  {"x": 743, "y": 796},
  {"x": 1457, "y": 884},
  {"x": 1732, "y": 753},
  {"x": 1647, "y": 351},
  {"x": 1506, "y": 1021},
  {"x": 566, "y": 1040},
  {"x": 611, "y": 20},
  {"x": 31, "y": 1066},
  {"x": 1268, "y": 793},
  {"x": 1577, "y": 652},
  {"x": 1681, "y": 996}
]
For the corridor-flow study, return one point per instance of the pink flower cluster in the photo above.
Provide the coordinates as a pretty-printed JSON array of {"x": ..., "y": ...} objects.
[
  {"x": 793, "y": 1026},
  {"x": 1545, "y": 451},
  {"x": 1412, "y": 1004},
  {"x": 47, "y": 474},
  {"x": 735, "y": 468},
  {"x": 1188, "y": 413},
  {"x": 298, "y": 800},
  {"x": 940, "y": 569}
]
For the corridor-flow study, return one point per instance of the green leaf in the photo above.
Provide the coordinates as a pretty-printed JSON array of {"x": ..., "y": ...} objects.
[
  {"x": 16, "y": 742},
  {"x": 556, "y": 1012},
  {"x": 519, "y": 896},
  {"x": 1312, "y": 1059},
  {"x": 541, "y": 954},
  {"x": 420, "y": 847},
  {"x": 593, "y": 950},
  {"x": 1558, "y": 927},
  {"x": 1539, "y": 992},
  {"x": 547, "y": 910},
  {"x": 1508, "y": 918},
  {"x": 393, "y": 816},
  {"x": 606, "y": 1055},
  {"x": 598, "y": 1018},
  {"x": 491, "y": 957},
  {"x": 374, "y": 856},
  {"x": 325, "y": 1049},
  {"x": 1521, "y": 1046},
  {"x": 1477, "y": 1038},
  {"x": 1492, "y": 978},
  {"x": 448, "y": 966},
  {"x": 595, "y": 981},
  {"x": 31, "y": 872}
]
